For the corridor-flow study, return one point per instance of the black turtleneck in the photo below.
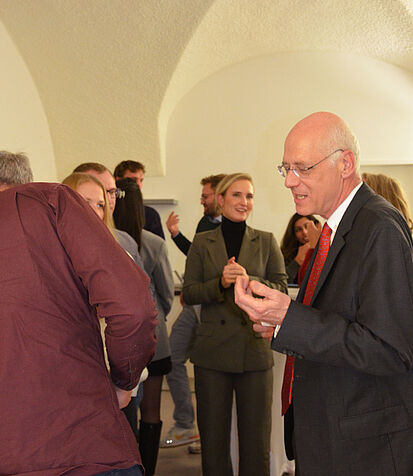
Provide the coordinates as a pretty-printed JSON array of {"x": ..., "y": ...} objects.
[{"x": 233, "y": 233}]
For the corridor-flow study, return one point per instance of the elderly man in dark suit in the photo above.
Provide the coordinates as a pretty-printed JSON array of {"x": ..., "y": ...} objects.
[{"x": 349, "y": 335}]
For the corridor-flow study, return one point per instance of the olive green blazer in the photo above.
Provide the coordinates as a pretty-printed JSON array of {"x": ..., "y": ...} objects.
[{"x": 225, "y": 340}]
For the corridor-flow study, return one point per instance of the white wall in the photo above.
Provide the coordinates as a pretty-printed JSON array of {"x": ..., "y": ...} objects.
[
  {"x": 23, "y": 123},
  {"x": 237, "y": 119}
]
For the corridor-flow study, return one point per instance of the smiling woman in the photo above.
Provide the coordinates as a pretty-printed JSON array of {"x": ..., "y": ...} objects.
[{"x": 229, "y": 357}]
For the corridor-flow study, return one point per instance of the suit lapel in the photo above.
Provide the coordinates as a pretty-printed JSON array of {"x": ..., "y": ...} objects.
[
  {"x": 362, "y": 196},
  {"x": 216, "y": 249},
  {"x": 249, "y": 247}
]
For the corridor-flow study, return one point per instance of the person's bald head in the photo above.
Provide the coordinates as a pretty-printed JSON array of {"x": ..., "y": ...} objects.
[
  {"x": 322, "y": 132},
  {"x": 320, "y": 163}
]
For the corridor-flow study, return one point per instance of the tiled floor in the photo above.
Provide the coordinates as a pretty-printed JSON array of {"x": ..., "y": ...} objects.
[{"x": 175, "y": 461}]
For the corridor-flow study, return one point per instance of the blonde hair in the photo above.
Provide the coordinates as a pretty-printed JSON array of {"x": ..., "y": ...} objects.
[
  {"x": 390, "y": 189},
  {"x": 76, "y": 179},
  {"x": 228, "y": 180}
]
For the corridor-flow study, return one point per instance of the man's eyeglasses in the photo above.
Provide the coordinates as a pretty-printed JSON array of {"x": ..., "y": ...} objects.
[
  {"x": 116, "y": 193},
  {"x": 204, "y": 196},
  {"x": 302, "y": 171}
]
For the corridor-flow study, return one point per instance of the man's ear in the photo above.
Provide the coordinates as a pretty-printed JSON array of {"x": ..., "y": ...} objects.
[{"x": 349, "y": 163}]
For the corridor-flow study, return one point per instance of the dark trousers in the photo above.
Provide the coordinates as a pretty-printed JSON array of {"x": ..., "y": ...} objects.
[
  {"x": 253, "y": 394},
  {"x": 289, "y": 440}
]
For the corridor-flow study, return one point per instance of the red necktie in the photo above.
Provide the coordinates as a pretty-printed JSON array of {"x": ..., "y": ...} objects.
[{"x": 323, "y": 247}]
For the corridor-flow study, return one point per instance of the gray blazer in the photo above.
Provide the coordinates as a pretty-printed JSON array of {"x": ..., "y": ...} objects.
[
  {"x": 157, "y": 266},
  {"x": 225, "y": 340},
  {"x": 129, "y": 245},
  {"x": 353, "y": 376}
]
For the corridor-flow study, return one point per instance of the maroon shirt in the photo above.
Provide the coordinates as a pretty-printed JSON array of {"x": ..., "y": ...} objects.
[{"x": 58, "y": 407}]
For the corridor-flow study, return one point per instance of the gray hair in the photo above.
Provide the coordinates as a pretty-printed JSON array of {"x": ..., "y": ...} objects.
[
  {"x": 340, "y": 135},
  {"x": 14, "y": 169}
]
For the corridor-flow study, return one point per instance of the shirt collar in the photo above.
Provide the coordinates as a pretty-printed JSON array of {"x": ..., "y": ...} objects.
[
  {"x": 335, "y": 219},
  {"x": 217, "y": 219}
]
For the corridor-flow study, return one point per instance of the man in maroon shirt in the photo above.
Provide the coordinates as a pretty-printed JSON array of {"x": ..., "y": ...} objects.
[{"x": 59, "y": 405}]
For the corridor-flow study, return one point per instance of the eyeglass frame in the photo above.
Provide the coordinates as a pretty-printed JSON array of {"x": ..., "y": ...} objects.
[
  {"x": 283, "y": 171},
  {"x": 205, "y": 196},
  {"x": 116, "y": 193}
]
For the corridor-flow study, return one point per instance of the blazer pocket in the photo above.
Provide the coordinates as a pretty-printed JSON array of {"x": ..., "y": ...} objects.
[{"x": 375, "y": 423}]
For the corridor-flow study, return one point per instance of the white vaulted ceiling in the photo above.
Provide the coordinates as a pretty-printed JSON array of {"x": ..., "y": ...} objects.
[{"x": 110, "y": 72}]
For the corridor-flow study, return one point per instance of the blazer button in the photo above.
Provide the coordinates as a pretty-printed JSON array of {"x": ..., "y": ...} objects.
[{"x": 223, "y": 322}]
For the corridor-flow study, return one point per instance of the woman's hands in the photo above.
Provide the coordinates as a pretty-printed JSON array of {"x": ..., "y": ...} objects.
[
  {"x": 230, "y": 272},
  {"x": 313, "y": 233},
  {"x": 302, "y": 251}
]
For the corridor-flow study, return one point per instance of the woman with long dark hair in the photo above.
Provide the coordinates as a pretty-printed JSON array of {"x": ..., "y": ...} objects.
[
  {"x": 295, "y": 243},
  {"x": 129, "y": 216}
]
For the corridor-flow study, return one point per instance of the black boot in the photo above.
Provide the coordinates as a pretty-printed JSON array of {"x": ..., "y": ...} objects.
[
  {"x": 131, "y": 413},
  {"x": 149, "y": 435}
]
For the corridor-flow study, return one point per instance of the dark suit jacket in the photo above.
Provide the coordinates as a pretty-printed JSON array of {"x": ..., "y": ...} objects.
[
  {"x": 153, "y": 222},
  {"x": 225, "y": 340},
  {"x": 353, "y": 382}
]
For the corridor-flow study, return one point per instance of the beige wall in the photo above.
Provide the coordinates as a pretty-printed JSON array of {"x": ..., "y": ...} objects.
[
  {"x": 237, "y": 119},
  {"x": 23, "y": 123}
]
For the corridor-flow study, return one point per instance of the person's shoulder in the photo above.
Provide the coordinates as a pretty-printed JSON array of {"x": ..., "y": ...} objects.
[
  {"x": 125, "y": 240},
  {"x": 154, "y": 241},
  {"x": 204, "y": 220},
  {"x": 151, "y": 212},
  {"x": 379, "y": 211},
  {"x": 54, "y": 194},
  {"x": 254, "y": 233},
  {"x": 38, "y": 188},
  {"x": 207, "y": 223},
  {"x": 377, "y": 215},
  {"x": 208, "y": 235}
]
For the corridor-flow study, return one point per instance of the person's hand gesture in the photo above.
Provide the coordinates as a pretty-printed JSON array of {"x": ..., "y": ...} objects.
[
  {"x": 230, "y": 272},
  {"x": 266, "y": 311},
  {"x": 302, "y": 251},
  {"x": 172, "y": 224},
  {"x": 313, "y": 233}
]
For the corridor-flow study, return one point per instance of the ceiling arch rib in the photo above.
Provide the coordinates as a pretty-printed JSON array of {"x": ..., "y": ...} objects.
[
  {"x": 233, "y": 31},
  {"x": 110, "y": 72},
  {"x": 101, "y": 68}
]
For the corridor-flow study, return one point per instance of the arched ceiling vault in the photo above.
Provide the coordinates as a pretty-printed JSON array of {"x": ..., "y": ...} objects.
[{"x": 110, "y": 72}]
